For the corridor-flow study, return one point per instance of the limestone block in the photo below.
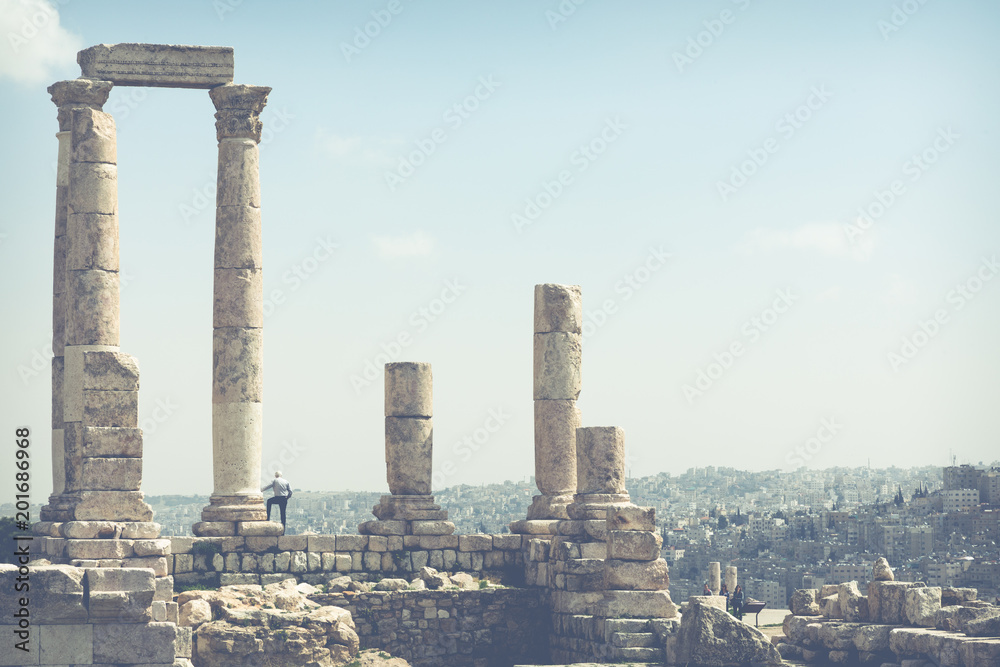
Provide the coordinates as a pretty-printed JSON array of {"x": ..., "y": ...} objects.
[
  {"x": 195, "y": 612},
  {"x": 299, "y": 563},
  {"x": 149, "y": 643},
  {"x": 633, "y": 545},
  {"x": 143, "y": 548},
  {"x": 372, "y": 561},
  {"x": 558, "y": 308},
  {"x": 432, "y": 527},
  {"x": 84, "y": 530},
  {"x": 111, "y": 474},
  {"x": 238, "y": 182},
  {"x": 112, "y": 408},
  {"x": 112, "y": 506},
  {"x": 507, "y": 542},
  {"x": 121, "y": 579},
  {"x": 259, "y": 528},
  {"x": 98, "y": 548},
  {"x": 872, "y": 638},
  {"x": 556, "y": 422},
  {"x": 352, "y": 542},
  {"x": 239, "y": 298},
  {"x": 408, "y": 389},
  {"x": 853, "y": 605},
  {"x": 557, "y": 366},
  {"x": 886, "y": 601},
  {"x": 65, "y": 644},
  {"x": 237, "y": 356},
  {"x": 92, "y": 308},
  {"x": 600, "y": 460},
  {"x": 167, "y": 65},
  {"x": 637, "y": 604},
  {"x": 92, "y": 243},
  {"x": 293, "y": 542},
  {"x": 629, "y": 575},
  {"x": 343, "y": 563},
  {"x": 987, "y": 626},
  {"x": 804, "y": 602},
  {"x": 93, "y": 188},
  {"x": 238, "y": 238},
  {"x": 475, "y": 543},
  {"x": 93, "y": 136},
  {"x": 164, "y": 589},
  {"x": 214, "y": 528},
  {"x": 408, "y": 451},
  {"x": 258, "y": 544},
  {"x": 115, "y": 442},
  {"x": 631, "y": 517},
  {"x": 110, "y": 371},
  {"x": 159, "y": 611},
  {"x": 921, "y": 605},
  {"x": 56, "y": 594},
  {"x": 158, "y": 564},
  {"x": 881, "y": 571}
]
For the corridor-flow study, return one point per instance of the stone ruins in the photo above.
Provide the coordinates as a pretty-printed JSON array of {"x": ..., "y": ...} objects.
[{"x": 582, "y": 577}]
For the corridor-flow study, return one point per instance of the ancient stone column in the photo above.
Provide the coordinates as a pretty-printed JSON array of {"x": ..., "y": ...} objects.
[
  {"x": 557, "y": 382},
  {"x": 238, "y": 319},
  {"x": 600, "y": 481},
  {"x": 409, "y": 444},
  {"x": 66, "y": 95},
  {"x": 714, "y": 578},
  {"x": 731, "y": 578}
]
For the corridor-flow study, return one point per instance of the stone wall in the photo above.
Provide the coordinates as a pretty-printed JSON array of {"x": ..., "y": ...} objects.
[
  {"x": 316, "y": 558},
  {"x": 486, "y": 628}
]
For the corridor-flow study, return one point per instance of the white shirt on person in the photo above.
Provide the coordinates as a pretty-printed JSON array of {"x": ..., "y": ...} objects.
[{"x": 280, "y": 487}]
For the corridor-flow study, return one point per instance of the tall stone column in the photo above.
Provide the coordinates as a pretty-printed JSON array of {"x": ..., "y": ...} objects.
[
  {"x": 557, "y": 382},
  {"x": 600, "y": 481},
  {"x": 66, "y": 95},
  {"x": 409, "y": 445},
  {"x": 715, "y": 577},
  {"x": 731, "y": 578},
  {"x": 238, "y": 320}
]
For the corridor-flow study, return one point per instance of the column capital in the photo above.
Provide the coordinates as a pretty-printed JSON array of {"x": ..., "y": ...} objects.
[
  {"x": 238, "y": 108},
  {"x": 75, "y": 93}
]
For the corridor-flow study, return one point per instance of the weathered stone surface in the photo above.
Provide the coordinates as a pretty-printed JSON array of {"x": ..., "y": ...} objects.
[
  {"x": 558, "y": 308},
  {"x": 238, "y": 238},
  {"x": 239, "y": 298},
  {"x": 830, "y": 606},
  {"x": 116, "y": 442},
  {"x": 75, "y": 93},
  {"x": 93, "y": 188},
  {"x": 886, "y": 601},
  {"x": 556, "y": 422},
  {"x": 238, "y": 182},
  {"x": 987, "y": 626},
  {"x": 633, "y": 545},
  {"x": 409, "y": 389},
  {"x": 140, "y": 643},
  {"x": 731, "y": 577},
  {"x": 259, "y": 528},
  {"x": 853, "y": 605},
  {"x": 93, "y": 136},
  {"x": 111, "y": 408},
  {"x": 110, "y": 371},
  {"x": 635, "y": 604},
  {"x": 63, "y": 644},
  {"x": 432, "y": 527},
  {"x": 952, "y": 596},
  {"x": 143, "y": 548},
  {"x": 631, "y": 517},
  {"x": 629, "y": 575},
  {"x": 237, "y": 360},
  {"x": 710, "y": 636},
  {"x": 715, "y": 577},
  {"x": 56, "y": 595},
  {"x": 804, "y": 602},
  {"x": 93, "y": 308},
  {"x": 881, "y": 571},
  {"x": 237, "y": 116},
  {"x": 98, "y": 548},
  {"x": 112, "y": 474},
  {"x": 600, "y": 460},
  {"x": 120, "y": 594},
  {"x": 112, "y": 506},
  {"x": 83, "y": 530},
  {"x": 163, "y": 65},
  {"x": 408, "y": 450},
  {"x": 921, "y": 605},
  {"x": 195, "y": 612},
  {"x": 717, "y": 601},
  {"x": 93, "y": 243},
  {"x": 872, "y": 638},
  {"x": 557, "y": 366}
]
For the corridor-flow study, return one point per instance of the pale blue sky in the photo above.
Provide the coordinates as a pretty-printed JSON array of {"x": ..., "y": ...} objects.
[{"x": 337, "y": 126}]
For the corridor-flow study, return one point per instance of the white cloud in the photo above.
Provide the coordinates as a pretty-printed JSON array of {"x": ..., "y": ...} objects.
[
  {"x": 825, "y": 237},
  {"x": 407, "y": 245},
  {"x": 35, "y": 47},
  {"x": 368, "y": 151}
]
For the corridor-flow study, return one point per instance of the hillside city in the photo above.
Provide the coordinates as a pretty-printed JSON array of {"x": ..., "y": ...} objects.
[{"x": 783, "y": 530}]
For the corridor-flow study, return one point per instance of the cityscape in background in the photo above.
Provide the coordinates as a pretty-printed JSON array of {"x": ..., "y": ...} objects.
[{"x": 783, "y": 530}]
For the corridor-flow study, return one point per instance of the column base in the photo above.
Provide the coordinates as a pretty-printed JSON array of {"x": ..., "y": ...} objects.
[
  {"x": 230, "y": 509},
  {"x": 100, "y": 505},
  {"x": 408, "y": 515},
  {"x": 539, "y": 527},
  {"x": 238, "y": 528},
  {"x": 595, "y": 505},
  {"x": 57, "y": 509},
  {"x": 546, "y": 506}
]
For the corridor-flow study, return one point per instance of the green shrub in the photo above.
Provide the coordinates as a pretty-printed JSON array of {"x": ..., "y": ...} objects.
[{"x": 206, "y": 548}]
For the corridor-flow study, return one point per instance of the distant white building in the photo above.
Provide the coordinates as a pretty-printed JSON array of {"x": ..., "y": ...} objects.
[
  {"x": 958, "y": 500},
  {"x": 770, "y": 592}
]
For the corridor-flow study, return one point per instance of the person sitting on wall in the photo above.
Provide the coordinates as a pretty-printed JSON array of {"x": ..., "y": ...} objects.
[
  {"x": 282, "y": 492},
  {"x": 738, "y": 601}
]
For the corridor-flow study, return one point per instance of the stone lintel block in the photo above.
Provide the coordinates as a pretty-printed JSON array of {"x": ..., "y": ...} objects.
[
  {"x": 214, "y": 528},
  {"x": 93, "y": 188},
  {"x": 260, "y": 528},
  {"x": 159, "y": 65},
  {"x": 148, "y": 643},
  {"x": 600, "y": 460},
  {"x": 238, "y": 238},
  {"x": 631, "y": 517},
  {"x": 322, "y": 543},
  {"x": 93, "y": 136},
  {"x": 409, "y": 442},
  {"x": 110, "y": 371},
  {"x": 556, "y": 422},
  {"x": 158, "y": 547},
  {"x": 98, "y": 548},
  {"x": 112, "y": 506},
  {"x": 475, "y": 543},
  {"x": 112, "y": 408},
  {"x": 106, "y": 474},
  {"x": 432, "y": 527},
  {"x": 634, "y": 545},
  {"x": 93, "y": 306},
  {"x": 630, "y": 575},
  {"x": 239, "y": 298},
  {"x": 140, "y": 530},
  {"x": 65, "y": 644},
  {"x": 237, "y": 363},
  {"x": 111, "y": 441},
  {"x": 408, "y": 389},
  {"x": 557, "y": 366},
  {"x": 91, "y": 243},
  {"x": 558, "y": 308},
  {"x": 352, "y": 542},
  {"x": 238, "y": 182},
  {"x": 637, "y": 604}
]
